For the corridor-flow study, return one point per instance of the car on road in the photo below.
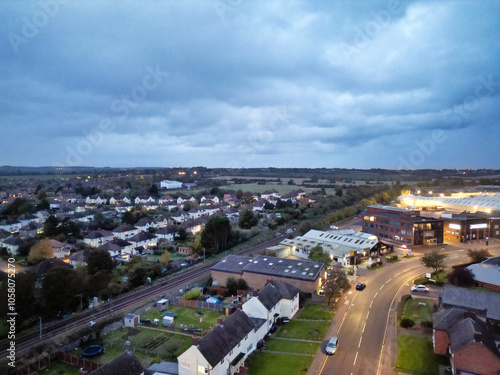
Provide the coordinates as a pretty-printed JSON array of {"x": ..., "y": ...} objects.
[
  {"x": 332, "y": 345},
  {"x": 360, "y": 286},
  {"x": 91, "y": 323},
  {"x": 419, "y": 288}
]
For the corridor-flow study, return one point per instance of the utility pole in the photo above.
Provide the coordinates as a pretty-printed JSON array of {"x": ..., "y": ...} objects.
[{"x": 40, "y": 330}]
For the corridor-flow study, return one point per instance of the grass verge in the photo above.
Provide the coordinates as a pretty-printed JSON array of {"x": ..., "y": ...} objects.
[
  {"x": 279, "y": 364},
  {"x": 312, "y": 330},
  {"x": 316, "y": 312},
  {"x": 292, "y": 346},
  {"x": 418, "y": 313},
  {"x": 416, "y": 356}
]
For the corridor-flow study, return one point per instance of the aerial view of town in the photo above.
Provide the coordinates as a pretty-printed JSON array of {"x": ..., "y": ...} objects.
[{"x": 236, "y": 187}]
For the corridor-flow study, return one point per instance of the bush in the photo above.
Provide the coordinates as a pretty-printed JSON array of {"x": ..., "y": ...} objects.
[
  {"x": 193, "y": 294},
  {"x": 407, "y": 323},
  {"x": 421, "y": 281}
]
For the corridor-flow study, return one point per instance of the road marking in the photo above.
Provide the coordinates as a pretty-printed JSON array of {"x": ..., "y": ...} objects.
[
  {"x": 381, "y": 287},
  {"x": 367, "y": 314},
  {"x": 363, "y": 331},
  {"x": 375, "y": 296},
  {"x": 371, "y": 304},
  {"x": 397, "y": 274},
  {"x": 388, "y": 280},
  {"x": 324, "y": 363},
  {"x": 461, "y": 250},
  {"x": 406, "y": 270},
  {"x": 360, "y": 339},
  {"x": 346, "y": 302},
  {"x": 354, "y": 364},
  {"x": 349, "y": 292}
]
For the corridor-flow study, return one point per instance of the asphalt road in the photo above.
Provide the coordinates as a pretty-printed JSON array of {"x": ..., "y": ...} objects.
[{"x": 362, "y": 331}]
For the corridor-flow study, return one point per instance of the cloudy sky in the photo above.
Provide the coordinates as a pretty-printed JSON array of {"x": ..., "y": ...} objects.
[{"x": 240, "y": 83}]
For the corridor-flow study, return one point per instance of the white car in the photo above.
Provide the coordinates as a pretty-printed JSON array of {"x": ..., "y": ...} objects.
[
  {"x": 91, "y": 323},
  {"x": 419, "y": 288},
  {"x": 331, "y": 347}
]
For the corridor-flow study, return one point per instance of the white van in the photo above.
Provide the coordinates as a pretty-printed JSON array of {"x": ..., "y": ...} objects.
[{"x": 332, "y": 345}]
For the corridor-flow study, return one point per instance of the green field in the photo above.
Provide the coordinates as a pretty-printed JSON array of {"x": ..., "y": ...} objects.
[
  {"x": 306, "y": 330},
  {"x": 416, "y": 356},
  {"x": 187, "y": 316},
  {"x": 316, "y": 312},
  {"x": 418, "y": 313},
  {"x": 279, "y": 364},
  {"x": 292, "y": 346}
]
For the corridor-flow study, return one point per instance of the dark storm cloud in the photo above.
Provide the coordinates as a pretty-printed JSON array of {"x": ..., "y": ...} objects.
[{"x": 240, "y": 83}]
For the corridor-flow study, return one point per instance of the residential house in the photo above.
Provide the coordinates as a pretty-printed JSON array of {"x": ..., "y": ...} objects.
[
  {"x": 31, "y": 230},
  {"x": 144, "y": 240},
  {"x": 487, "y": 274},
  {"x": 11, "y": 226},
  {"x": 163, "y": 368},
  {"x": 276, "y": 300},
  {"x": 195, "y": 225},
  {"x": 97, "y": 238},
  {"x": 168, "y": 233},
  {"x": 54, "y": 204},
  {"x": 125, "y": 231},
  {"x": 270, "y": 195},
  {"x": 224, "y": 349},
  {"x": 118, "y": 247},
  {"x": 123, "y": 207},
  {"x": 145, "y": 223},
  {"x": 60, "y": 249},
  {"x": 80, "y": 257},
  {"x": 115, "y": 200},
  {"x": 209, "y": 200},
  {"x": 148, "y": 206},
  {"x": 160, "y": 221},
  {"x": 12, "y": 244},
  {"x": 141, "y": 199}
]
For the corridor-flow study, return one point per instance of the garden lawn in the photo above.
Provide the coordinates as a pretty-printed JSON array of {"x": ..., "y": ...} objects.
[
  {"x": 416, "y": 356},
  {"x": 58, "y": 368},
  {"x": 292, "y": 346},
  {"x": 279, "y": 364},
  {"x": 316, "y": 312},
  {"x": 187, "y": 316},
  {"x": 412, "y": 310},
  {"x": 312, "y": 330}
]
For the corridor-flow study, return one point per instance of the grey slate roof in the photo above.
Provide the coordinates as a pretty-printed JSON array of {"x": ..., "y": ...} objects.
[
  {"x": 446, "y": 318},
  {"x": 216, "y": 344},
  {"x": 269, "y": 296},
  {"x": 469, "y": 331},
  {"x": 286, "y": 290},
  {"x": 232, "y": 263},
  {"x": 125, "y": 364},
  {"x": 487, "y": 271},
  {"x": 170, "y": 368},
  {"x": 476, "y": 300}
]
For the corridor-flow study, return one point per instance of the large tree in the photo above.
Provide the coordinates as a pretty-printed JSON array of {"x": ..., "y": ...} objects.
[
  {"x": 247, "y": 219},
  {"x": 99, "y": 260},
  {"x": 61, "y": 287},
  {"x": 477, "y": 256},
  {"x": 318, "y": 255},
  {"x": 461, "y": 276},
  {"x": 336, "y": 283},
  {"x": 215, "y": 236},
  {"x": 434, "y": 260},
  {"x": 40, "y": 251}
]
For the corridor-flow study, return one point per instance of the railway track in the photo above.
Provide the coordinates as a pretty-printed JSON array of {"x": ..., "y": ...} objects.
[{"x": 53, "y": 329}]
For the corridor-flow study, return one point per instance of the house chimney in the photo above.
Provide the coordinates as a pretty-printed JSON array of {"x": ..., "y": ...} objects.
[
  {"x": 196, "y": 340},
  {"x": 470, "y": 314},
  {"x": 219, "y": 321}
]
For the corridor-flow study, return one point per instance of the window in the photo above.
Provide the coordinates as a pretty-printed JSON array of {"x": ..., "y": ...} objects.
[
  {"x": 249, "y": 349},
  {"x": 392, "y": 229},
  {"x": 239, "y": 344},
  {"x": 403, "y": 231},
  {"x": 391, "y": 222},
  {"x": 408, "y": 226},
  {"x": 186, "y": 364},
  {"x": 408, "y": 241},
  {"x": 202, "y": 369},
  {"x": 397, "y": 223}
]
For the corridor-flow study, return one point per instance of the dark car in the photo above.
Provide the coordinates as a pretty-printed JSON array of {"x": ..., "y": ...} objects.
[{"x": 360, "y": 286}]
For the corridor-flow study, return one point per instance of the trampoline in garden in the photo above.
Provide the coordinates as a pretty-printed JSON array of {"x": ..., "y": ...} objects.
[{"x": 92, "y": 351}]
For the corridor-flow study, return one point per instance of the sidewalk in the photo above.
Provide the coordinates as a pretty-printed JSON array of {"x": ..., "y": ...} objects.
[{"x": 341, "y": 310}]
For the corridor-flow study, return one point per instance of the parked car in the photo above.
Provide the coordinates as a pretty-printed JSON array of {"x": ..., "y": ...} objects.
[
  {"x": 419, "y": 288},
  {"x": 360, "y": 286},
  {"x": 332, "y": 345},
  {"x": 285, "y": 320}
]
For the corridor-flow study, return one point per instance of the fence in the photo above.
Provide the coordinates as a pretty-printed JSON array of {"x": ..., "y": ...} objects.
[
  {"x": 181, "y": 301},
  {"x": 46, "y": 360}
]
